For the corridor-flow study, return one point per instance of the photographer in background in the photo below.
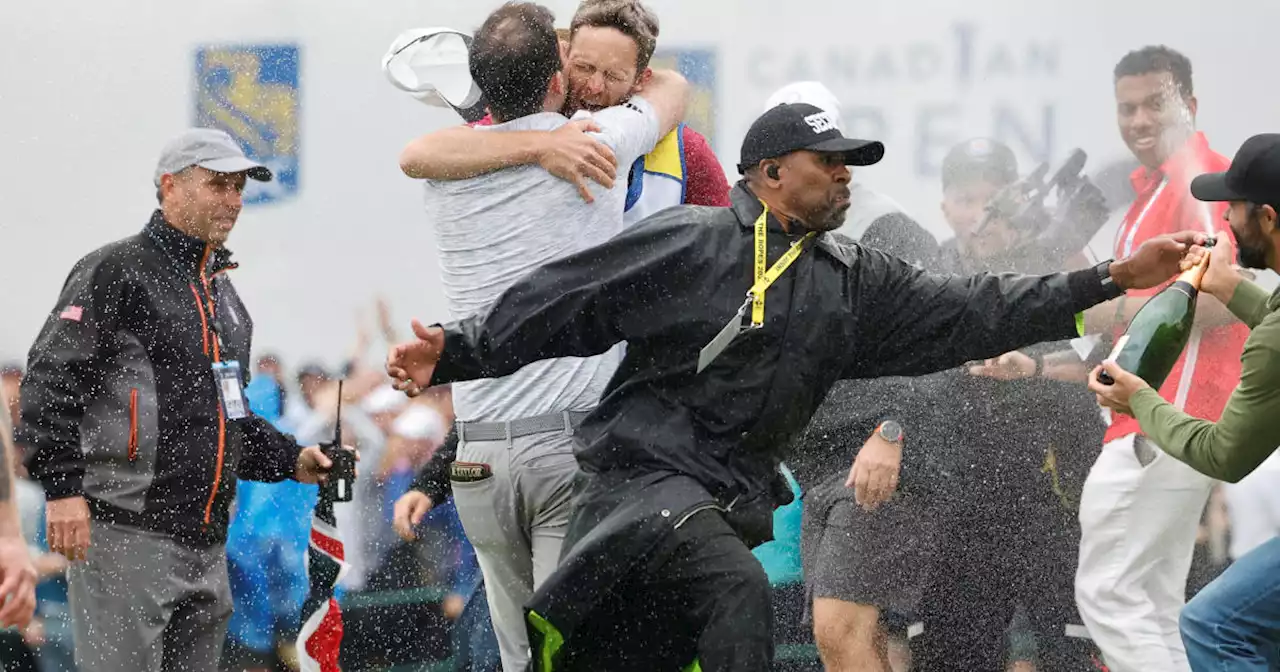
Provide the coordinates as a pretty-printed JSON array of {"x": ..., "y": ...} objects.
[
  {"x": 1011, "y": 536},
  {"x": 983, "y": 518}
]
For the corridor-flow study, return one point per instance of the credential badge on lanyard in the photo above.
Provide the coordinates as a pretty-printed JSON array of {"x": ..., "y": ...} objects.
[
  {"x": 755, "y": 295},
  {"x": 230, "y": 392}
]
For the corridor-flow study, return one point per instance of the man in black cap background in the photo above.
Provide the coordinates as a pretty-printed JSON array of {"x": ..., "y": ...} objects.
[
  {"x": 679, "y": 462},
  {"x": 136, "y": 424},
  {"x": 1019, "y": 440},
  {"x": 1233, "y": 622},
  {"x": 974, "y": 172}
]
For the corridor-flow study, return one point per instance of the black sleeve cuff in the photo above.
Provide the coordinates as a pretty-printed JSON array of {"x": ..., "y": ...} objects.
[
  {"x": 270, "y": 455},
  {"x": 433, "y": 480},
  {"x": 290, "y": 451},
  {"x": 438, "y": 491},
  {"x": 284, "y": 452},
  {"x": 62, "y": 486},
  {"x": 1088, "y": 290},
  {"x": 452, "y": 365}
]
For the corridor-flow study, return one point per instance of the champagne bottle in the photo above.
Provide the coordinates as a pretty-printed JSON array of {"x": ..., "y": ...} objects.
[{"x": 1159, "y": 331}]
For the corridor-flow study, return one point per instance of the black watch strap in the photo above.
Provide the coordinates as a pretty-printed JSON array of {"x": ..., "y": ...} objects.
[
  {"x": 1104, "y": 273},
  {"x": 1108, "y": 283}
]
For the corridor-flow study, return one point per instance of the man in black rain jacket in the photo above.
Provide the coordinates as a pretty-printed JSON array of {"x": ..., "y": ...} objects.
[{"x": 678, "y": 462}]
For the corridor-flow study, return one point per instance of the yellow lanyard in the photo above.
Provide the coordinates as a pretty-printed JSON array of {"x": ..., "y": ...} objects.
[{"x": 765, "y": 278}]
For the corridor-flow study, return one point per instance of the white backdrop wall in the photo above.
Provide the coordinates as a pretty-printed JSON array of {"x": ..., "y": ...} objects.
[{"x": 89, "y": 91}]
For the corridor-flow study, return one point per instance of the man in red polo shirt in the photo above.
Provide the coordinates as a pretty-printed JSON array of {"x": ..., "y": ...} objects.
[{"x": 1140, "y": 508}]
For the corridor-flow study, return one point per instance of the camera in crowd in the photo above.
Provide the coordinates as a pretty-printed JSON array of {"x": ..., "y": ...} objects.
[{"x": 1052, "y": 219}]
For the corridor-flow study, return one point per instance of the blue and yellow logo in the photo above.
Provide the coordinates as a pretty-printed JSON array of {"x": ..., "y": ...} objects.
[
  {"x": 251, "y": 92},
  {"x": 699, "y": 67}
]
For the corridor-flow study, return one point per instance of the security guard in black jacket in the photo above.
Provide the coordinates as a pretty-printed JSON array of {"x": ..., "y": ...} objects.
[
  {"x": 678, "y": 462},
  {"x": 134, "y": 413}
]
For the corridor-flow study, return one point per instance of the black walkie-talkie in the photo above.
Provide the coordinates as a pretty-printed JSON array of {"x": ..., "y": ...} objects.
[{"x": 343, "y": 473}]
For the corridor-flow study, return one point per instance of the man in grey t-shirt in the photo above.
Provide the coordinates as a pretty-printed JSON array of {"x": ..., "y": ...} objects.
[{"x": 515, "y": 463}]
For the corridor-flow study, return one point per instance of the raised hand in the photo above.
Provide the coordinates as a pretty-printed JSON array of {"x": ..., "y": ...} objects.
[{"x": 412, "y": 364}]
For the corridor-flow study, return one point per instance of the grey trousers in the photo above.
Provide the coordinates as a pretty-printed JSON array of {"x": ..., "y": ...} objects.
[
  {"x": 516, "y": 519},
  {"x": 143, "y": 603}
]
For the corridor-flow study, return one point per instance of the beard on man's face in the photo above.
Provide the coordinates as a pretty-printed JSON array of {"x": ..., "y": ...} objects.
[
  {"x": 1251, "y": 256},
  {"x": 1251, "y": 250},
  {"x": 829, "y": 218}
]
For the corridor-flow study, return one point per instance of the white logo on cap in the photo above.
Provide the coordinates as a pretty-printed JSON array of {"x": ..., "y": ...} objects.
[{"x": 820, "y": 122}]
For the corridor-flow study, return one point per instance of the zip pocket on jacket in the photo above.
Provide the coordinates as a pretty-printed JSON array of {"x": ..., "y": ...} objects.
[{"x": 133, "y": 424}]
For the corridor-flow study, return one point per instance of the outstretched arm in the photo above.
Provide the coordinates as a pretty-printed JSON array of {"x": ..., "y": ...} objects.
[
  {"x": 924, "y": 322},
  {"x": 578, "y": 306}
]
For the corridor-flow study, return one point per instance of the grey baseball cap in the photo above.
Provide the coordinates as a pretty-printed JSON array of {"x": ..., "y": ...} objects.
[{"x": 211, "y": 149}]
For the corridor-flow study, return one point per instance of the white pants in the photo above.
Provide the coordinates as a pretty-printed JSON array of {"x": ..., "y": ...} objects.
[
  {"x": 516, "y": 520},
  {"x": 1138, "y": 531}
]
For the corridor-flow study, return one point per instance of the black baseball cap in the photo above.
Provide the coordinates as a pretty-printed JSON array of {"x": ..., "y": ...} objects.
[
  {"x": 791, "y": 127},
  {"x": 1254, "y": 175},
  {"x": 979, "y": 159}
]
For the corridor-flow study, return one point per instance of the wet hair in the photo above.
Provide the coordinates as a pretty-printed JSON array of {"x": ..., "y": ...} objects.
[
  {"x": 514, "y": 55},
  {"x": 1158, "y": 58},
  {"x": 628, "y": 17}
]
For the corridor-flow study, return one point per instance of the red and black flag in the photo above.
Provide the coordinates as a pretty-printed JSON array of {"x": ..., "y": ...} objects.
[{"x": 320, "y": 640}]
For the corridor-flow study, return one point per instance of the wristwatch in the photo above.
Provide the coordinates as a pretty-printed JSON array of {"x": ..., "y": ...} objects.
[
  {"x": 1104, "y": 273},
  {"x": 1108, "y": 283},
  {"x": 890, "y": 431}
]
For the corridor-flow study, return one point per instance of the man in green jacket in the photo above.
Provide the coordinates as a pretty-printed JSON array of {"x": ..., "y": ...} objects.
[{"x": 1234, "y": 622}]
